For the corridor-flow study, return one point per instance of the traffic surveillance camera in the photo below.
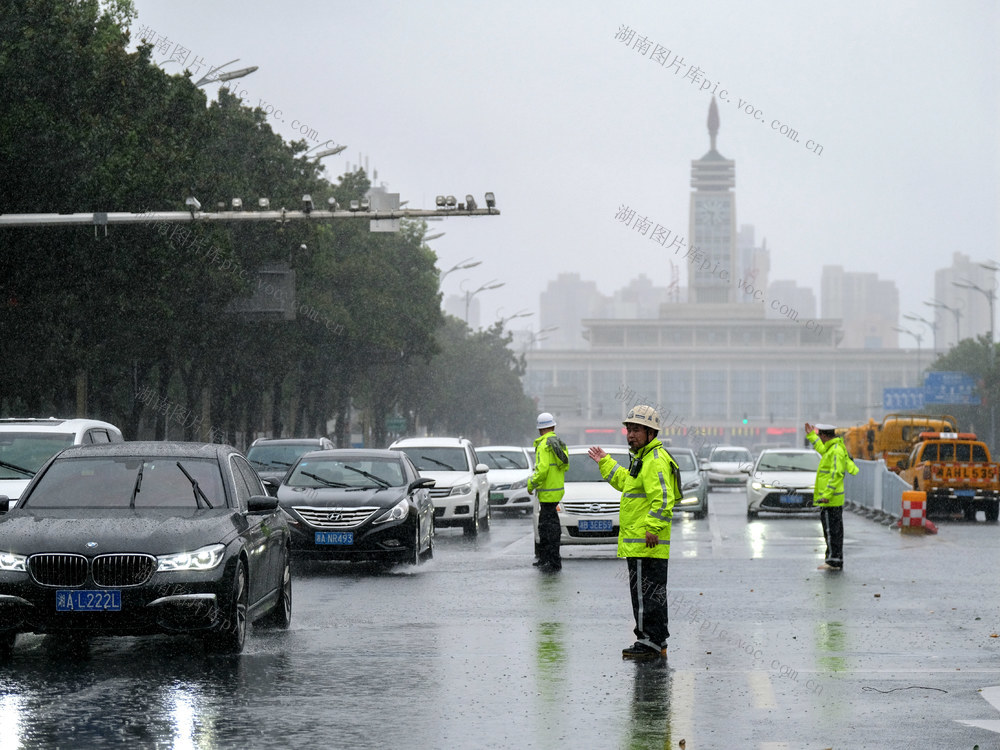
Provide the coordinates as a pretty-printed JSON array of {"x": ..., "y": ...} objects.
[
  {"x": 439, "y": 201},
  {"x": 332, "y": 202},
  {"x": 193, "y": 204},
  {"x": 470, "y": 203},
  {"x": 355, "y": 205},
  {"x": 303, "y": 247},
  {"x": 450, "y": 201},
  {"x": 307, "y": 203},
  {"x": 237, "y": 204},
  {"x": 264, "y": 203},
  {"x": 365, "y": 204},
  {"x": 491, "y": 201}
]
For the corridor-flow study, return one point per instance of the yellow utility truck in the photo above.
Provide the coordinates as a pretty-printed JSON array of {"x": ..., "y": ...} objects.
[{"x": 955, "y": 470}]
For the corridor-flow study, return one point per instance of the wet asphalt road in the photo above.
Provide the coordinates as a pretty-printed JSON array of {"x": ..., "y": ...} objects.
[{"x": 478, "y": 649}]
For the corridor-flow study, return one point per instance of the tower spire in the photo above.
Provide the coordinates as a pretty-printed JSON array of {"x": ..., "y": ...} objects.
[{"x": 713, "y": 121}]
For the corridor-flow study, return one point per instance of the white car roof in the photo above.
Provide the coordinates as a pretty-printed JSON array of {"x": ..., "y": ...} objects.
[
  {"x": 437, "y": 442},
  {"x": 53, "y": 424}
]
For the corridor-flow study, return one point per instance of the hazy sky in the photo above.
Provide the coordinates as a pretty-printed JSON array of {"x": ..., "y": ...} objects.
[{"x": 539, "y": 103}]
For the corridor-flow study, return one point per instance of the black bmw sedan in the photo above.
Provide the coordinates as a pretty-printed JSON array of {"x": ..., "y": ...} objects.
[
  {"x": 357, "y": 504},
  {"x": 144, "y": 537}
]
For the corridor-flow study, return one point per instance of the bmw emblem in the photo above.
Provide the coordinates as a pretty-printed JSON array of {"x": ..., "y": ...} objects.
[{"x": 91, "y": 545}]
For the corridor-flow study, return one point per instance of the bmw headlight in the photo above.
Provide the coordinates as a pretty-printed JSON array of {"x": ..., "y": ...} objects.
[
  {"x": 462, "y": 489},
  {"x": 13, "y": 563},
  {"x": 205, "y": 558},
  {"x": 520, "y": 484},
  {"x": 397, "y": 512}
]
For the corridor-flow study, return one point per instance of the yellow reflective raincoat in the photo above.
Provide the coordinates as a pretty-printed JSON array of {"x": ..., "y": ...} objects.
[
  {"x": 551, "y": 462},
  {"x": 647, "y": 500},
  {"x": 834, "y": 461}
]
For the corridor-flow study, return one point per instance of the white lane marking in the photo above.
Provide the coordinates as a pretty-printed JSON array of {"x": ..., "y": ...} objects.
[
  {"x": 992, "y": 696},
  {"x": 682, "y": 703},
  {"x": 761, "y": 689}
]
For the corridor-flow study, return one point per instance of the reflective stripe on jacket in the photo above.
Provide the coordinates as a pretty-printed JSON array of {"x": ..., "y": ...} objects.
[
  {"x": 834, "y": 461},
  {"x": 551, "y": 462},
  {"x": 647, "y": 500}
]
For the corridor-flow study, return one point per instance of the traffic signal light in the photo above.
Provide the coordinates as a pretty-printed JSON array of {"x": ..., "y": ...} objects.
[{"x": 745, "y": 420}]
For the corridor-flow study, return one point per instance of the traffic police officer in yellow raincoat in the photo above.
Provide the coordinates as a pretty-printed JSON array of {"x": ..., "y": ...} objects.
[
  {"x": 829, "y": 492},
  {"x": 650, "y": 487},
  {"x": 551, "y": 463}
]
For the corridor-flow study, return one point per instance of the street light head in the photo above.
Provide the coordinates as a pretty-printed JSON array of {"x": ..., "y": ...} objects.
[
  {"x": 264, "y": 203},
  {"x": 365, "y": 204},
  {"x": 491, "y": 201},
  {"x": 307, "y": 203},
  {"x": 439, "y": 201},
  {"x": 450, "y": 202},
  {"x": 237, "y": 204},
  {"x": 470, "y": 203},
  {"x": 355, "y": 205},
  {"x": 221, "y": 205}
]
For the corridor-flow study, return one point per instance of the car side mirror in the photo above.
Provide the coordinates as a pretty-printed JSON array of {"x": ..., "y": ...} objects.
[
  {"x": 422, "y": 482},
  {"x": 482, "y": 468},
  {"x": 262, "y": 504},
  {"x": 4, "y": 503}
]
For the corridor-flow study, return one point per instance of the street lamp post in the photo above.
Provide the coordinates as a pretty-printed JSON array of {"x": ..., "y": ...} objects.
[
  {"x": 919, "y": 337},
  {"x": 519, "y": 314},
  {"x": 929, "y": 324},
  {"x": 990, "y": 295},
  {"x": 954, "y": 311},
  {"x": 493, "y": 284},
  {"x": 462, "y": 264},
  {"x": 536, "y": 336}
]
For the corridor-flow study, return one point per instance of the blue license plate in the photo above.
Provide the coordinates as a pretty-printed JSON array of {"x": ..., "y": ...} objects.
[
  {"x": 597, "y": 525},
  {"x": 73, "y": 600},
  {"x": 334, "y": 537},
  {"x": 792, "y": 500}
]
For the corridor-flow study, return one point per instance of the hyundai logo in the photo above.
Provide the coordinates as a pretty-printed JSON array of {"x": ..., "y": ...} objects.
[{"x": 333, "y": 517}]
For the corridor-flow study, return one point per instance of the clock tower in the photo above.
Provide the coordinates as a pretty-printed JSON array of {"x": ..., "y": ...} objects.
[{"x": 712, "y": 232}]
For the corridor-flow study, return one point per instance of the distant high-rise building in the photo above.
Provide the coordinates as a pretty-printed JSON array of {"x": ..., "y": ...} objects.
[
  {"x": 712, "y": 223},
  {"x": 867, "y": 305},
  {"x": 962, "y": 312},
  {"x": 799, "y": 302},
  {"x": 754, "y": 262},
  {"x": 563, "y": 306}
]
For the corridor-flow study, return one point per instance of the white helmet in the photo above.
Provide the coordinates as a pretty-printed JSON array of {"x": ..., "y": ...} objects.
[
  {"x": 646, "y": 416},
  {"x": 545, "y": 420}
]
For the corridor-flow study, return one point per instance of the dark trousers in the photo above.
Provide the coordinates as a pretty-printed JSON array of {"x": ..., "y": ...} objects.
[
  {"x": 832, "y": 519},
  {"x": 549, "y": 532},
  {"x": 647, "y": 579}
]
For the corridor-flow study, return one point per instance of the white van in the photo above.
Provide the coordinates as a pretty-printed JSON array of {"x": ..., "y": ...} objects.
[{"x": 26, "y": 444}]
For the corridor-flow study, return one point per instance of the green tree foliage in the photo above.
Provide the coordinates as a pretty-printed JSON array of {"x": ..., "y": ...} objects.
[
  {"x": 980, "y": 360},
  {"x": 136, "y": 324}
]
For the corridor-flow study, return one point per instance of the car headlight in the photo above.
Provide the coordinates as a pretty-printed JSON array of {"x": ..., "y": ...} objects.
[
  {"x": 397, "y": 512},
  {"x": 520, "y": 484},
  {"x": 462, "y": 489},
  {"x": 14, "y": 563},
  {"x": 689, "y": 501},
  {"x": 756, "y": 485},
  {"x": 205, "y": 558}
]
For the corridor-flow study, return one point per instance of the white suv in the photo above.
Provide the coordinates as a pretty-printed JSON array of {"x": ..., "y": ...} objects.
[
  {"x": 26, "y": 444},
  {"x": 461, "y": 492}
]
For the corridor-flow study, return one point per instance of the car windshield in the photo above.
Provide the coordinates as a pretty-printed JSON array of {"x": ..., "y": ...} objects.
[
  {"x": 731, "y": 456},
  {"x": 133, "y": 481},
  {"x": 503, "y": 459},
  {"x": 685, "y": 461},
  {"x": 23, "y": 453},
  {"x": 788, "y": 461},
  {"x": 355, "y": 472},
  {"x": 278, "y": 457},
  {"x": 437, "y": 458},
  {"x": 582, "y": 468}
]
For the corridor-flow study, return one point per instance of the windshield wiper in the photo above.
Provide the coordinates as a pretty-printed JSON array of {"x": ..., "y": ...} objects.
[
  {"x": 15, "y": 467},
  {"x": 324, "y": 480},
  {"x": 439, "y": 463},
  {"x": 136, "y": 486},
  {"x": 378, "y": 480},
  {"x": 198, "y": 491}
]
